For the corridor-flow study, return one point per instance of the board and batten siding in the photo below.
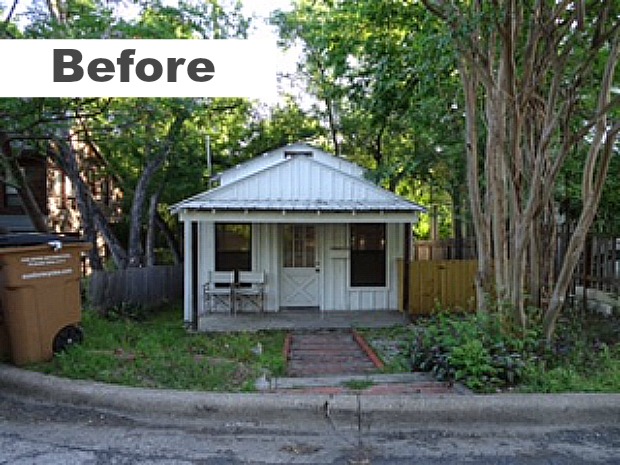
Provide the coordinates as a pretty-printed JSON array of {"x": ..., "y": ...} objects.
[{"x": 336, "y": 292}]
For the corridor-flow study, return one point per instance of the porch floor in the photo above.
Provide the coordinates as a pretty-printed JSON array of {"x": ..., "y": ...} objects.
[{"x": 300, "y": 320}]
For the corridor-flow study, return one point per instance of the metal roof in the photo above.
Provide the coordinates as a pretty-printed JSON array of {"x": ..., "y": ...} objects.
[{"x": 299, "y": 183}]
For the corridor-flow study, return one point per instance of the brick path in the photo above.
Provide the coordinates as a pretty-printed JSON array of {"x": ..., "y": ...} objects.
[
  {"x": 327, "y": 353},
  {"x": 340, "y": 353}
]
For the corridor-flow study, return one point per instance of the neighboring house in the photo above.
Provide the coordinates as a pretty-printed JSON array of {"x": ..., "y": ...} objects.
[
  {"x": 325, "y": 237},
  {"x": 12, "y": 215},
  {"x": 55, "y": 194}
]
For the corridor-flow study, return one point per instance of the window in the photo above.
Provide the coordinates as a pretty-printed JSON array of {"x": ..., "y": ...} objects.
[
  {"x": 299, "y": 246},
  {"x": 368, "y": 260},
  {"x": 233, "y": 247}
]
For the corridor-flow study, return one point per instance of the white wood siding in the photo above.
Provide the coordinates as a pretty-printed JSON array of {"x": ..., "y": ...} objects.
[
  {"x": 334, "y": 254},
  {"x": 277, "y": 156},
  {"x": 267, "y": 257},
  {"x": 338, "y": 293}
]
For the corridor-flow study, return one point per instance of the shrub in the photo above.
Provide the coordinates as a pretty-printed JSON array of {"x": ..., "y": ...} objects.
[{"x": 481, "y": 351}]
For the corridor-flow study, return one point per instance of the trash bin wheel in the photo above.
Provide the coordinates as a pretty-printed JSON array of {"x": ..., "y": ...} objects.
[{"x": 67, "y": 337}]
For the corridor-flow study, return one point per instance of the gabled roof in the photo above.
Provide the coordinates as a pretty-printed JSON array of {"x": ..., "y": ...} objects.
[
  {"x": 299, "y": 183},
  {"x": 281, "y": 154}
]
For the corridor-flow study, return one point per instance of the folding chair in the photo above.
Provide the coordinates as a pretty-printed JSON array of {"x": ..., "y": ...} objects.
[
  {"x": 250, "y": 291},
  {"x": 219, "y": 292}
]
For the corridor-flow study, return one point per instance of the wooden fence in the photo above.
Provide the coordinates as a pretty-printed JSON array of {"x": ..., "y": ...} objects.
[
  {"x": 445, "y": 249},
  {"x": 148, "y": 286},
  {"x": 445, "y": 283},
  {"x": 599, "y": 267}
]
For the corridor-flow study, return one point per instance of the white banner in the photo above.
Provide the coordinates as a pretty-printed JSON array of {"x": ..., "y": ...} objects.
[{"x": 138, "y": 68}]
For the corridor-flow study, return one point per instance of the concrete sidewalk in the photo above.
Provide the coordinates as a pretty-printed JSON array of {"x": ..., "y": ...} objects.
[{"x": 303, "y": 410}]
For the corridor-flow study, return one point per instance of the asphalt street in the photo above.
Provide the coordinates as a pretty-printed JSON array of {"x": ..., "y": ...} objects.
[{"x": 50, "y": 432}]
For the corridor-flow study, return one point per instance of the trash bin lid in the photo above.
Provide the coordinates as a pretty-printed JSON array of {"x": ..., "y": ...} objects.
[{"x": 26, "y": 239}]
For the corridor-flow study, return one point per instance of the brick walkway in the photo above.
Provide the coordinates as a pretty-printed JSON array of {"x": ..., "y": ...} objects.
[
  {"x": 324, "y": 362},
  {"x": 327, "y": 353}
]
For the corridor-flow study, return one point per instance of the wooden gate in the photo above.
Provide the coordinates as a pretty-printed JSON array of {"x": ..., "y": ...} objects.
[{"x": 447, "y": 284}]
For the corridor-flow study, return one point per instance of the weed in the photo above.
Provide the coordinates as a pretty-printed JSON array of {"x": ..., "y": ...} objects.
[
  {"x": 358, "y": 384},
  {"x": 157, "y": 352}
]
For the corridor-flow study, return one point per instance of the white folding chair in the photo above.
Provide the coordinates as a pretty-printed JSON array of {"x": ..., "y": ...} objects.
[
  {"x": 219, "y": 292},
  {"x": 250, "y": 291}
]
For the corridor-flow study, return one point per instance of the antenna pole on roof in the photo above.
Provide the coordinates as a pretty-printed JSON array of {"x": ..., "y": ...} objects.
[{"x": 208, "y": 149}]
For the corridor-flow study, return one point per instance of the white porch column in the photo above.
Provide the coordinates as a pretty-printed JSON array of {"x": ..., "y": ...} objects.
[{"x": 188, "y": 294}]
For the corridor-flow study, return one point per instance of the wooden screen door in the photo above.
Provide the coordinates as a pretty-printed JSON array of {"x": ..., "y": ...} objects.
[{"x": 300, "y": 267}]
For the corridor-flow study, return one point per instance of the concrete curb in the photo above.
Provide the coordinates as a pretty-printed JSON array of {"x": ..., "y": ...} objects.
[{"x": 352, "y": 410}]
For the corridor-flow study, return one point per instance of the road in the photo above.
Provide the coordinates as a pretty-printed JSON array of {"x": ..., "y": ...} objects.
[{"x": 35, "y": 432}]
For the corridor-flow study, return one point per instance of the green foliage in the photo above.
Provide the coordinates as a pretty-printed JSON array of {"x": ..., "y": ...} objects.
[
  {"x": 157, "y": 352},
  {"x": 477, "y": 350},
  {"x": 384, "y": 74},
  {"x": 587, "y": 371},
  {"x": 358, "y": 384},
  {"x": 584, "y": 356},
  {"x": 392, "y": 345}
]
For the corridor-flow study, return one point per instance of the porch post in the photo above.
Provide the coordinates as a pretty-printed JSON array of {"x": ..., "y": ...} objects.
[
  {"x": 190, "y": 310},
  {"x": 195, "y": 285},
  {"x": 406, "y": 268}
]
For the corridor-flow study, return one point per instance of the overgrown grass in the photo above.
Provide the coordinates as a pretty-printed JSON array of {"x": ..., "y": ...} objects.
[
  {"x": 585, "y": 357},
  {"x": 392, "y": 345},
  {"x": 137, "y": 348},
  {"x": 157, "y": 352},
  {"x": 483, "y": 353}
]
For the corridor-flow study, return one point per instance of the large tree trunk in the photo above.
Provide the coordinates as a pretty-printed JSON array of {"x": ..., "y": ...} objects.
[
  {"x": 173, "y": 243},
  {"x": 153, "y": 165},
  {"x": 151, "y": 230},
  {"x": 593, "y": 180},
  {"x": 65, "y": 158},
  {"x": 517, "y": 66}
]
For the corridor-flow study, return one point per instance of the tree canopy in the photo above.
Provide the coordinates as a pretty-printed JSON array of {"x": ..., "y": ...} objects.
[
  {"x": 514, "y": 104},
  {"x": 154, "y": 149}
]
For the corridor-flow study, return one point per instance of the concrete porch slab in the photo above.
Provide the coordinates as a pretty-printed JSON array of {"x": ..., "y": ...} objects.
[{"x": 300, "y": 320}]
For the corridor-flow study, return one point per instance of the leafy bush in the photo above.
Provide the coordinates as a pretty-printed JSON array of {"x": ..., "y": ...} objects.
[
  {"x": 480, "y": 351},
  {"x": 584, "y": 356}
]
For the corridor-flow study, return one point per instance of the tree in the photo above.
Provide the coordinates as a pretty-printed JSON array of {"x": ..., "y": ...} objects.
[
  {"x": 134, "y": 137},
  {"x": 538, "y": 79},
  {"x": 384, "y": 73}
]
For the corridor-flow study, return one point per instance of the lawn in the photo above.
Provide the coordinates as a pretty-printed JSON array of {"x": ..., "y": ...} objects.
[{"x": 157, "y": 352}]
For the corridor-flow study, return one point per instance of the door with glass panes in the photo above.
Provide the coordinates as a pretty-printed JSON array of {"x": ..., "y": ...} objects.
[{"x": 299, "y": 284}]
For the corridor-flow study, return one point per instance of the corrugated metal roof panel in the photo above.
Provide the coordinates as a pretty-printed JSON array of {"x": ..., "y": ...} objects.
[
  {"x": 300, "y": 184},
  {"x": 274, "y": 157},
  {"x": 301, "y": 206}
]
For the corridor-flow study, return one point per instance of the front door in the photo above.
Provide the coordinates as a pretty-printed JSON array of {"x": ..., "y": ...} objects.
[{"x": 300, "y": 267}]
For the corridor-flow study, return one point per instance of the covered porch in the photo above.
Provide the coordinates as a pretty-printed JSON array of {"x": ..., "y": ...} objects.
[
  {"x": 322, "y": 236},
  {"x": 301, "y": 320}
]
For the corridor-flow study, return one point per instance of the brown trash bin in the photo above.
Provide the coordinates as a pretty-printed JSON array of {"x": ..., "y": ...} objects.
[
  {"x": 4, "y": 338},
  {"x": 40, "y": 295}
]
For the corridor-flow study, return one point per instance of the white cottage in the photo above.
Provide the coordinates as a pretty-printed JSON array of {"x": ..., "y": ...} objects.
[{"x": 325, "y": 237}]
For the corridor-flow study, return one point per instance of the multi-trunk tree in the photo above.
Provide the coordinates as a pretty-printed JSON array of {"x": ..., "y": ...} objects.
[{"x": 539, "y": 84}]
